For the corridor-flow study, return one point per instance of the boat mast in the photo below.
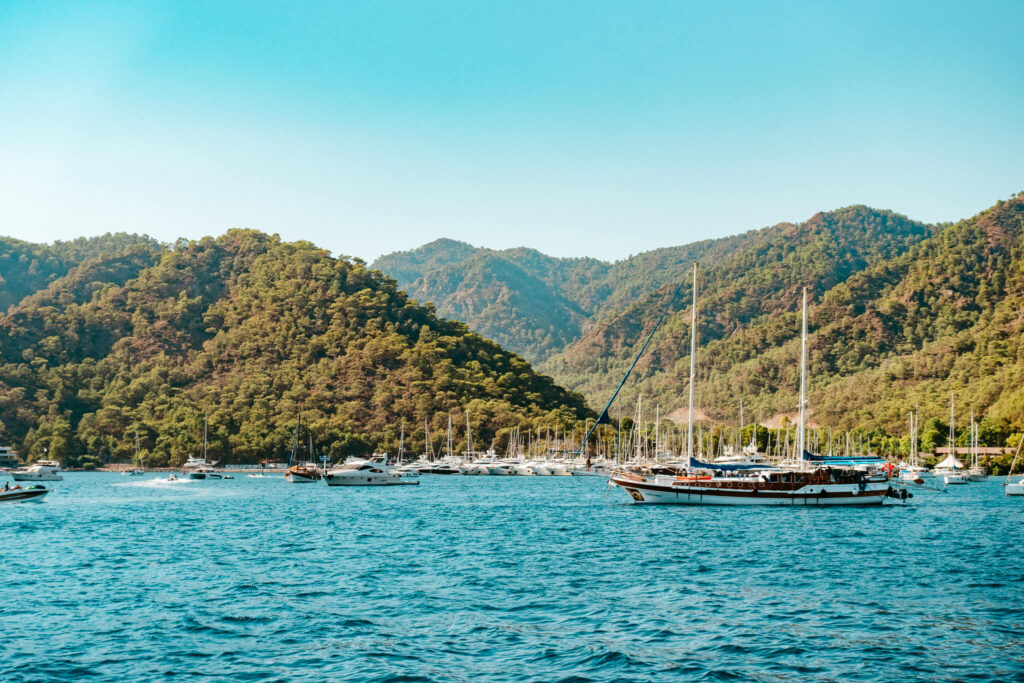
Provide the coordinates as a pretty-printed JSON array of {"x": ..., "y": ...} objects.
[
  {"x": 739, "y": 436},
  {"x": 428, "y": 448},
  {"x": 657, "y": 429},
  {"x": 469, "y": 437},
  {"x": 912, "y": 438},
  {"x": 803, "y": 381},
  {"x": 693, "y": 366},
  {"x": 952, "y": 425},
  {"x": 401, "y": 443},
  {"x": 206, "y": 417},
  {"x": 295, "y": 440}
]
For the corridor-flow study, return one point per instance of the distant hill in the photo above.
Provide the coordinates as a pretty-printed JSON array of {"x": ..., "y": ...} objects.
[
  {"x": 556, "y": 310},
  {"x": 26, "y": 268},
  {"x": 531, "y": 303},
  {"x": 249, "y": 329},
  {"x": 924, "y": 313},
  {"x": 902, "y": 314}
]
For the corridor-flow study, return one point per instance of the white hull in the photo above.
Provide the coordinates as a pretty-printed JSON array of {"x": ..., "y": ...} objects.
[
  {"x": 367, "y": 473},
  {"x": 952, "y": 479},
  {"x": 36, "y": 476},
  {"x": 293, "y": 478},
  {"x": 817, "y": 495},
  {"x": 557, "y": 469},
  {"x": 1015, "y": 489},
  {"x": 361, "y": 479}
]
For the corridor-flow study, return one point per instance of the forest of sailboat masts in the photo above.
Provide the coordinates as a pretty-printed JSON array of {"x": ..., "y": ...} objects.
[{"x": 639, "y": 438}]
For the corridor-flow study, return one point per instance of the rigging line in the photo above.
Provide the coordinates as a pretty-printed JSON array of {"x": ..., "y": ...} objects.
[{"x": 604, "y": 412}]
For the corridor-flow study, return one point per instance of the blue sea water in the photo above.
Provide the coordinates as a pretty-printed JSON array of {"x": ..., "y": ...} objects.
[{"x": 501, "y": 579}]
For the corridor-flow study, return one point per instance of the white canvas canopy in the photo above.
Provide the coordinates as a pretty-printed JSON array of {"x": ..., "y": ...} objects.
[{"x": 950, "y": 463}]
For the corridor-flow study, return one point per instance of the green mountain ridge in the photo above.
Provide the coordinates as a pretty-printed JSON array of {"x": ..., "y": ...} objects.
[
  {"x": 902, "y": 314},
  {"x": 26, "y": 268},
  {"x": 248, "y": 330}
]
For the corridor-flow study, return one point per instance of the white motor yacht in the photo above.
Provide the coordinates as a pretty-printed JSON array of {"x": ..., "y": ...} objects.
[
  {"x": 374, "y": 471},
  {"x": 40, "y": 470},
  {"x": 501, "y": 469},
  {"x": 524, "y": 469},
  {"x": 747, "y": 456},
  {"x": 539, "y": 468},
  {"x": 558, "y": 469}
]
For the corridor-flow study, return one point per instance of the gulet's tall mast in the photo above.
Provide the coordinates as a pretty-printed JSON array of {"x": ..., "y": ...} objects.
[
  {"x": 693, "y": 366},
  {"x": 803, "y": 382}
]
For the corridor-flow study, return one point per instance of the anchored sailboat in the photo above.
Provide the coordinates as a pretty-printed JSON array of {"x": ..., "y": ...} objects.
[
  {"x": 306, "y": 473},
  {"x": 810, "y": 480}
]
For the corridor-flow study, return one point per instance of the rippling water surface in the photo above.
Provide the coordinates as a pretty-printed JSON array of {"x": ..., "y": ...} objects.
[{"x": 501, "y": 579}]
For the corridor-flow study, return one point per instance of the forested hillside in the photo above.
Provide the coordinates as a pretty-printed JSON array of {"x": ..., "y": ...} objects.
[
  {"x": 531, "y": 303},
  {"x": 902, "y": 313},
  {"x": 248, "y": 330},
  {"x": 899, "y": 328},
  {"x": 26, "y": 268}
]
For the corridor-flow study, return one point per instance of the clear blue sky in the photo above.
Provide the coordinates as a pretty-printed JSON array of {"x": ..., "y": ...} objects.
[{"x": 589, "y": 128}]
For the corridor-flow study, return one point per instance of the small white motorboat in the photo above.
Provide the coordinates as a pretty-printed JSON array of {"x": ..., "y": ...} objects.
[
  {"x": 951, "y": 471},
  {"x": 952, "y": 478},
  {"x": 29, "y": 494},
  {"x": 1015, "y": 488}
]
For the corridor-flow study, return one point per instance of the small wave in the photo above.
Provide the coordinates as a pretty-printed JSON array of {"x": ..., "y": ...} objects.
[{"x": 153, "y": 483}]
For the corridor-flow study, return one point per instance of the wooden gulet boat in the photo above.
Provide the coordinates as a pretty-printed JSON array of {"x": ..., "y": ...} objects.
[
  {"x": 812, "y": 480},
  {"x": 306, "y": 473}
]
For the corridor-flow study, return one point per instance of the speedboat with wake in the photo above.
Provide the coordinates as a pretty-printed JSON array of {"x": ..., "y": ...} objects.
[{"x": 29, "y": 494}]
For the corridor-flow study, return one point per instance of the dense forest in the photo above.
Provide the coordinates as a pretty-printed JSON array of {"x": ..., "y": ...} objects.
[
  {"x": 26, "y": 268},
  {"x": 251, "y": 332},
  {"x": 902, "y": 314},
  {"x": 109, "y": 337}
]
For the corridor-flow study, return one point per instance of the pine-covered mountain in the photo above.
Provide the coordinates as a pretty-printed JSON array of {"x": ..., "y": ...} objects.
[
  {"x": 249, "y": 330},
  {"x": 902, "y": 313},
  {"x": 904, "y": 327},
  {"x": 531, "y": 303},
  {"x": 546, "y": 307},
  {"x": 26, "y": 268}
]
